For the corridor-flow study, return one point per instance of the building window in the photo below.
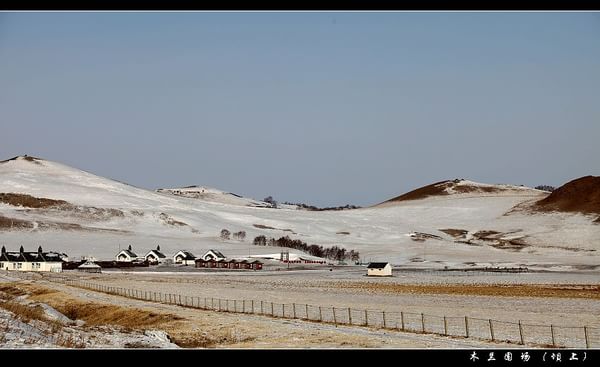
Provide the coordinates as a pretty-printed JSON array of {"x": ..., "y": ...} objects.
[{"x": 19, "y": 265}]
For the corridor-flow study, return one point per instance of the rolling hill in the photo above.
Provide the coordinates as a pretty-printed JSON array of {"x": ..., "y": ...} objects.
[{"x": 452, "y": 223}]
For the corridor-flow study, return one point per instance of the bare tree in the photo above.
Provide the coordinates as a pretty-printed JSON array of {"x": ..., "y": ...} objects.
[
  {"x": 260, "y": 240},
  {"x": 225, "y": 234},
  {"x": 242, "y": 235}
]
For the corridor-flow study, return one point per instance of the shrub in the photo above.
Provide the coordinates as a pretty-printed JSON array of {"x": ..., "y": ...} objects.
[{"x": 225, "y": 234}]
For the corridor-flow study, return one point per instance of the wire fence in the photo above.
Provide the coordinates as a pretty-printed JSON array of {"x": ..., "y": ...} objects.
[{"x": 466, "y": 327}]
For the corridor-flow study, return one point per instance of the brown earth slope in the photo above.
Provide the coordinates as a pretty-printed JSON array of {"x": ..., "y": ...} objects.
[
  {"x": 29, "y": 201},
  {"x": 439, "y": 188},
  {"x": 580, "y": 195}
]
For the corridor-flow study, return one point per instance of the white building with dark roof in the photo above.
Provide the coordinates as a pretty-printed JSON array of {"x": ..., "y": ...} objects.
[
  {"x": 31, "y": 261},
  {"x": 379, "y": 270},
  {"x": 184, "y": 257},
  {"x": 213, "y": 255},
  {"x": 127, "y": 255},
  {"x": 155, "y": 256}
]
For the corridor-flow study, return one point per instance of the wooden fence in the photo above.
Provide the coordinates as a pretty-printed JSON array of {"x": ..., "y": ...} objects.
[{"x": 467, "y": 327}]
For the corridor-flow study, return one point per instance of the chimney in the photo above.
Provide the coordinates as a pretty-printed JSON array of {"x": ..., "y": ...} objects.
[
  {"x": 3, "y": 250},
  {"x": 129, "y": 248},
  {"x": 21, "y": 250},
  {"x": 40, "y": 250},
  {"x": 158, "y": 248}
]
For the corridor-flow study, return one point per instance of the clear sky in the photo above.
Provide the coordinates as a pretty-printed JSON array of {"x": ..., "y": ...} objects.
[{"x": 317, "y": 107}]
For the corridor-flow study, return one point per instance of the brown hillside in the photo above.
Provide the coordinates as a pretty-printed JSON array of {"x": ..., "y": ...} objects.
[
  {"x": 29, "y": 201},
  {"x": 580, "y": 195},
  {"x": 439, "y": 188},
  {"x": 425, "y": 191}
]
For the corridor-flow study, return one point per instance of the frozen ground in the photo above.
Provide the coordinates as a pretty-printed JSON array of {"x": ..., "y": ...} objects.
[
  {"x": 232, "y": 330},
  {"x": 390, "y": 232}
]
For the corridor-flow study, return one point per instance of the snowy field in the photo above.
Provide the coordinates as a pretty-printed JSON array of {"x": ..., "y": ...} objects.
[{"x": 210, "y": 329}]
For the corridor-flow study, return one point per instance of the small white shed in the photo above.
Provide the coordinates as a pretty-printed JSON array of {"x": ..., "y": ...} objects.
[
  {"x": 379, "y": 270},
  {"x": 90, "y": 267}
]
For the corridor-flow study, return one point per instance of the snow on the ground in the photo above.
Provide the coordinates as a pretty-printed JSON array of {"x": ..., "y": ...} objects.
[
  {"x": 15, "y": 333},
  {"x": 381, "y": 233},
  {"x": 36, "y": 334}
]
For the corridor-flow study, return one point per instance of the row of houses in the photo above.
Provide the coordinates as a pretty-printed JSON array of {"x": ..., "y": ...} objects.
[
  {"x": 155, "y": 257},
  {"x": 210, "y": 259},
  {"x": 52, "y": 261},
  {"x": 32, "y": 261}
]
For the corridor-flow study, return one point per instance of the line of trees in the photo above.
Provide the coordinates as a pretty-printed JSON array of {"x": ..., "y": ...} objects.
[
  {"x": 332, "y": 253},
  {"x": 315, "y": 208},
  {"x": 226, "y": 234}
]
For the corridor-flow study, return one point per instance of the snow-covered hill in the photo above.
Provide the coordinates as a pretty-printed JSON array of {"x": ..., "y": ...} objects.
[
  {"x": 91, "y": 215},
  {"x": 218, "y": 196}
]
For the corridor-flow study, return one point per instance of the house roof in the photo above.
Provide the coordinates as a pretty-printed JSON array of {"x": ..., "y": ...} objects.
[
  {"x": 89, "y": 265},
  {"x": 186, "y": 255},
  {"x": 377, "y": 265},
  {"x": 215, "y": 252},
  {"x": 129, "y": 253},
  {"x": 30, "y": 257},
  {"x": 159, "y": 254}
]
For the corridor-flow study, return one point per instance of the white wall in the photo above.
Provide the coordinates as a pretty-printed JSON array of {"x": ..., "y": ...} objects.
[
  {"x": 386, "y": 271},
  {"x": 32, "y": 266}
]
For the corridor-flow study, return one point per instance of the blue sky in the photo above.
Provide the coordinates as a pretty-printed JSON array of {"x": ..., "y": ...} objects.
[{"x": 326, "y": 108}]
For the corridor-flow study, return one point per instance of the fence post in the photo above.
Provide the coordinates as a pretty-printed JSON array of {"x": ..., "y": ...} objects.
[
  {"x": 306, "y": 309},
  {"x": 272, "y": 312},
  {"x": 283, "y": 309},
  {"x": 445, "y": 326},
  {"x": 219, "y": 305},
  {"x": 227, "y": 304},
  {"x": 467, "y": 326},
  {"x": 334, "y": 320},
  {"x": 252, "y": 305},
  {"x": 320, "y": 314},
  {"x": 261, "y": 308},
  {"x": 294, "y": 308},
  {"x": 587, "y": 340},
  {"x": 402, "y": 319},
  {"x": 383, "y": 313},
  {"x": 212, "y": 303},
  {"x": 180, "y": 299},
  {"x": 366, "y": 319},
  {"x": 552, "y": 333},
  {"x": 235, "y": 305},
  {"x": 491, "y": 329},
  {"x": 423, "y": 323},
  {"x": 243, "y": 306},
  {"x": 349, "y": 316}
]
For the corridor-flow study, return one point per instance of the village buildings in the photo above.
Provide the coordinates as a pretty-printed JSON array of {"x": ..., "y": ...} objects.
[{"x": 31, "y": 261}]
